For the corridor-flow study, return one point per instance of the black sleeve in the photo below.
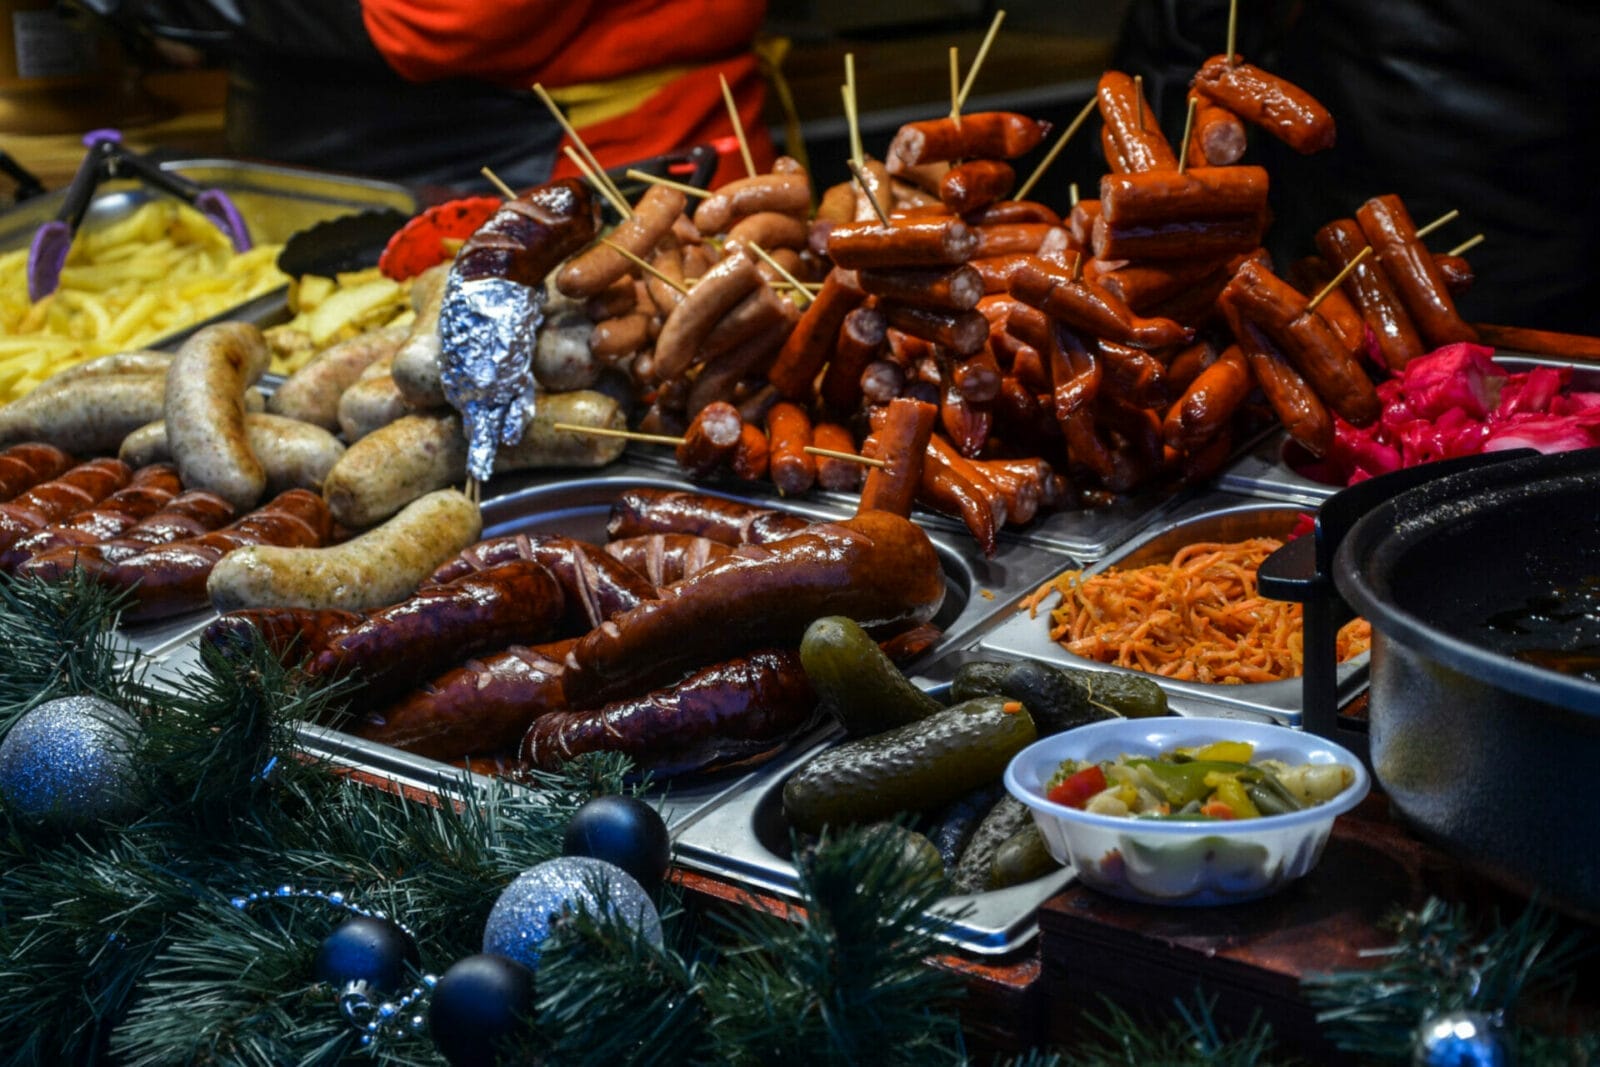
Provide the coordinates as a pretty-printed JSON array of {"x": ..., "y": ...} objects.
[{"x": 230, "y": 29}]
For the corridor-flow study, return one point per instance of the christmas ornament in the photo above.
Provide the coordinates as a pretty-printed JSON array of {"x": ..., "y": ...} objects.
[
  {"x": 478, "y": 1003},
  {"x": 541, "y": 897},
  {"x": 1461, "y": 1039},
  {"x": 366, "y": 949},
  {"x": 69, "y": 763},
  {"x": 363, "y": 956},
  {"x": 625, "y": 831}
]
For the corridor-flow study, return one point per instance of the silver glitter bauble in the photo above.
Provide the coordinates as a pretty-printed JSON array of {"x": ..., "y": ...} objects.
[
  {"x": 69, "y": 764},
  {"x": 527, "y": 912},
  {"x": 1461, "y": 1039}
]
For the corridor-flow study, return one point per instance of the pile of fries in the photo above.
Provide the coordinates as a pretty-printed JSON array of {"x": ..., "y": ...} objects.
[
  {"x": 330, "y": 310},
  {"x": 126, "y": 285}
]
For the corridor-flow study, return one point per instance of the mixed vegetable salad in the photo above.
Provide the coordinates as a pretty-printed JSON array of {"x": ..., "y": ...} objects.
[{"x": 1217, "y": 781}]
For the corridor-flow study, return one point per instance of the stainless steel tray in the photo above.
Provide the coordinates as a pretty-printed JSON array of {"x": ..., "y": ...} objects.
[
  {"x": 1264, "y": 471},
  {"x": 276, "y": 202},
  {"x": 579, "y": 508},
  {"x": 1212, "y": 518},
  {"x": 745, "y": 839}
]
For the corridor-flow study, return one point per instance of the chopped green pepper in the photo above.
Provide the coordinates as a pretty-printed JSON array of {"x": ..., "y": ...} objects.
[{"x": 1180, "y": 783}]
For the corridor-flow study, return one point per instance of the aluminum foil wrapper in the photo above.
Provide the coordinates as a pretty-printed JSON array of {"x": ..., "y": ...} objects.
[{"x": 488, "y": 328}]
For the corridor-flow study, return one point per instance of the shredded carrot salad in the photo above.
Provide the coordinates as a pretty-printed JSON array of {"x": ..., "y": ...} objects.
[{"x": 1198, "y": 618}]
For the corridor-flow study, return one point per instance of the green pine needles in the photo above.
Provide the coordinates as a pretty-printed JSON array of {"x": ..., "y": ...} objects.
[{"x": 126, "y": 944}]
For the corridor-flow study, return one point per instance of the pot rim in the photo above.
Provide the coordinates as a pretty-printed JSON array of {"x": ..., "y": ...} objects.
[{"x": 1370, "y": 553}]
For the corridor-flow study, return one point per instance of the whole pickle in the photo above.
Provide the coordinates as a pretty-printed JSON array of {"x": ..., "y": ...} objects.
[
  {"x": 855, "y": 680},
  {"x": 920, "y": 765}
]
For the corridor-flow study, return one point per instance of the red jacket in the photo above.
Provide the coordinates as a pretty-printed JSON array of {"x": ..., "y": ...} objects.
[{"x": 517, "y": 43}]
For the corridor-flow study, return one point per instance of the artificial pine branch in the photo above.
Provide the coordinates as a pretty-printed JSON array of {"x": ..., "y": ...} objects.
[
  {"x": 607, "y": 995},
  {"x": 59, "y": 639},
  {"x": 1439, "y": 963},
  {"x": 850, "y": 982},
  {"x": 1192, "y": 1039},
  {"x": 236, "y": 987}
]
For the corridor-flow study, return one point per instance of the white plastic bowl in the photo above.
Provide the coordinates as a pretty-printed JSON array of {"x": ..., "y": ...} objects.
[{"x": 1187, "y": 863}]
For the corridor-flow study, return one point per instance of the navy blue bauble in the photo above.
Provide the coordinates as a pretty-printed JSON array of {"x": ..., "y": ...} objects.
[
  {"x": 624, "y": 831},
  {"x": 367, "y": 949},
  {"x": 477, "y": 1004}
]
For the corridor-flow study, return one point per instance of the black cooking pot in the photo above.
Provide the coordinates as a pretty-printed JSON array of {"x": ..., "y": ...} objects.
[{"x": 1489, "y": 755}]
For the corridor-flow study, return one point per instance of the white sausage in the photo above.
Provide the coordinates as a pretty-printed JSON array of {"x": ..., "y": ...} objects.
[
  {"x": 205, "y": 411},
  {"x": 382, "y": 566}
]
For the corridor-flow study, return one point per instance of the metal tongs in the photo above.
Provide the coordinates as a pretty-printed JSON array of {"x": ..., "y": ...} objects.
[{"x": 108, "y": 158}]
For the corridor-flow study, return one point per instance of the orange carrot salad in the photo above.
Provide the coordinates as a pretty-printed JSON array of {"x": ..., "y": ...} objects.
[{"x": 1198, "y": 618}]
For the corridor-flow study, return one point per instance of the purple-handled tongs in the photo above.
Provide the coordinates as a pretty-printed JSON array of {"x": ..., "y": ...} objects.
[{"x": 109, "y": 158}]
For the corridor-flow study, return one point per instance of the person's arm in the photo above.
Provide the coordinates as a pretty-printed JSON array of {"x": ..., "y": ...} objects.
[{"x": 308, "y": 29}]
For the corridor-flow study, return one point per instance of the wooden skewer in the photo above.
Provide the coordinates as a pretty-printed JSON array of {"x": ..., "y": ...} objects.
[
  {"x": 606, "y": 431},
  {"x": 865, "y": 461},
  {"x": 644, "y": 266},
  {"x": 1138, "y": 97},
  {"x": 663, "y": 439},
  {"x": 473, "y": 491},
  {"x": 866, "y": 188},
  {"x": 955, "y": 86},
  {"x": 1233, "y": 31},
  {"x": 799, "y": 286},
  {"x": 1188, "y": 125},
  {"x": 656, "y": 179},
  {"x": 601, "y": 179},
  {"x": 977, "y": 61},
  {"x": 852, "y": 116},
  {"x": 1448, "y": 217},
  {"x": 601, "y": 186},
  {"x": 1465, "y": 246},
  {"x": 738, "y": 126},
  {"x": 1055, "y": 149},
  {"x": 1072, "y": 195},
  {"x": 494, "y": 180},
  {"x": 1322, "y": 294}
]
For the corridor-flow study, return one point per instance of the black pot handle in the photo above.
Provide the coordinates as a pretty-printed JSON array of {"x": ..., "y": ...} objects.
[{"x": 1302, "y": 572}]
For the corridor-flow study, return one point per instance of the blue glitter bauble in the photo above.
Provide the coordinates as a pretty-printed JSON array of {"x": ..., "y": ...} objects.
[
  {"x": 527, "y": 911},
  {"x": 69, "y": 764},
  {"x": 1461, "y": 1039}
]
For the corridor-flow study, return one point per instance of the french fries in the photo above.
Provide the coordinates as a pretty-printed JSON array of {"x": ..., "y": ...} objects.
[
  {"x": 125, "y": 285},
  {"x": 330, "y": 310}
]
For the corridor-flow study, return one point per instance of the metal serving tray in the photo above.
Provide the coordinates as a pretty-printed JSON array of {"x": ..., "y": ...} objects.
[
  {"x": 1213, "y": 518},
  {"x": 276, "y": 202},
  {"x": 578, "y": 508},
  {"x": 745, "y": 838},
  {"x": 1265, "y": 471}
]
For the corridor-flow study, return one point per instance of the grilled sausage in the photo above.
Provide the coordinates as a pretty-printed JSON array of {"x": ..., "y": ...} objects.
[{"x": 877, "y": 568}]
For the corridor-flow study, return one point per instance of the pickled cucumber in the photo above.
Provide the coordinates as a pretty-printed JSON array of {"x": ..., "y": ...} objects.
[
  {"x": 953, "y": 825},
  {"x": 911, "y": 768},
  {"x": 1060, "y": 698},
  {"x": 1130, "y": 695},
  {"x": 979, "y": 679},
  {"x": 1022, "y": 857},
  {"x": 1008, "y": 816},
  {"x": 856, "y": 681}
]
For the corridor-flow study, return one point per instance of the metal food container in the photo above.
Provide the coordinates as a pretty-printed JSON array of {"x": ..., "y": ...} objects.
[
  {"x": 1266, "y": 470},
  {"x": 275, "y": 201},
  {"x": 1213, "y": 518},
  {"x": 745, "y": 838},
  {"x": 579, "y": 508}
]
